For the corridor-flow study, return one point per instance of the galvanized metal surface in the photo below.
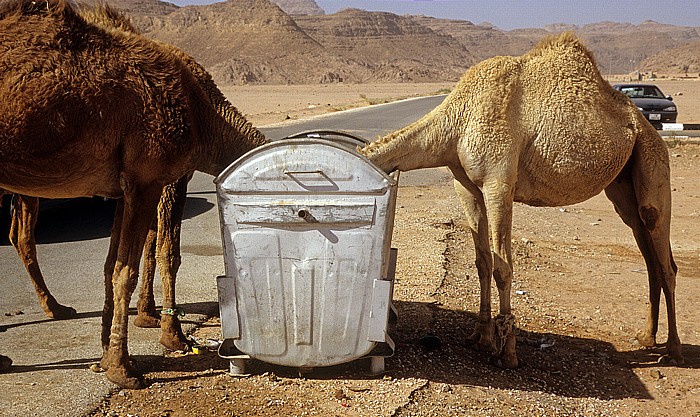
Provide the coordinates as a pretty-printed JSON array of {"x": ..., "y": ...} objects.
[{"x": 306, "y": 226}]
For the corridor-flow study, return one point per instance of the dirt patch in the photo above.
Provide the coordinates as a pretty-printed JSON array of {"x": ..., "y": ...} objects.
[{"x": 579, "y": 294}]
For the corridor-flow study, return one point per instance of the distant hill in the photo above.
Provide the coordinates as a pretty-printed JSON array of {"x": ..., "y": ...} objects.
[
  {"x": 241, "y": 41},
  {"x": 294, "y": 41},
  {"x": 294, "y": 7},
  {"x": 684, "y": 60},
  {"x": 390, "y": 47}
]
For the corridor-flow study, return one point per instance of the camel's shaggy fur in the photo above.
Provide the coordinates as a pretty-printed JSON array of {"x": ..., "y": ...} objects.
[
  {"x": 163, "y": 241},
  {"x": 544, "y": 129},
  {"x": 87, "y": 110}
]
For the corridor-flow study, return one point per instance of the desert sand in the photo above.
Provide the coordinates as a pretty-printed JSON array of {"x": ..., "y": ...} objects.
[{"x": 580, "y": 295}]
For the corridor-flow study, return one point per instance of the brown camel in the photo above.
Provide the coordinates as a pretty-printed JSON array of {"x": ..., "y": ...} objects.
[
  {"x": 543, "y": 129},
  {"x": 163, "y": 241},
  {"x": 87, "y": 111}
]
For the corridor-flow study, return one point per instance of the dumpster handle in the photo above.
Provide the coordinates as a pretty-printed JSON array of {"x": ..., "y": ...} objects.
[{"x": 288, "y": 172}]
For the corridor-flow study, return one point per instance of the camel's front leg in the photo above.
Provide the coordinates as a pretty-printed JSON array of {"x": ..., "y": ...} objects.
[
  {"x": 24, "y": 217},
  {"x": 138, "y": 211},
  {"x": 475, "y": 209},
  {"x": 170, "y": 212},
  {"x": 499, "y": 207}
]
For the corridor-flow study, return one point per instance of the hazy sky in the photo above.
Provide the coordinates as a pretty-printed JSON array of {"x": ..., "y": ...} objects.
[{"x": 527, "y": 14}]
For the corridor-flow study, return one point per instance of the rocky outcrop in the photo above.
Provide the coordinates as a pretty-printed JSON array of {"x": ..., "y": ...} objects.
[
  {"x": 295, "y": 7},
  {"x": 292, "y": 41}
]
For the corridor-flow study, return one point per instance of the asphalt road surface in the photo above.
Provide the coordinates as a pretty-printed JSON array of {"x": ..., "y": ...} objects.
[{"x": 50, "y": 375}]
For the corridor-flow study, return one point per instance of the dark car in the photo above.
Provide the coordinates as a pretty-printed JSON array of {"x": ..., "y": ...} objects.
[{"x": 656, "y": 107}]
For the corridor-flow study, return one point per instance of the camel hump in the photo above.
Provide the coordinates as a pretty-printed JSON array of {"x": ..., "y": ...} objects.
[
  {"x": 565, "y": 41},
  {"x": 106, "y": 16},
  {"x": 56, "y": 16}
]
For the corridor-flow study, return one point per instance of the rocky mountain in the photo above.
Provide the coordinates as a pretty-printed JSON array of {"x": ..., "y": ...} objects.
[
  {"x": 391, "y": 47},
  {"x": 293, "y": 41},
  {"x": 618, "y": 47},
  {"x": 299, "y": 7},
  {"x": 684, "y": 60},
  {"x": 241, "y": 41}
]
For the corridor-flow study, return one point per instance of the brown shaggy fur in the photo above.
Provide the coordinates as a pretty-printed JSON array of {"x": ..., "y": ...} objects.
[
  {"x": 163, "y": 242},
  {"x": 86, "y": 110},
  {"x": 544, "y": 129}
]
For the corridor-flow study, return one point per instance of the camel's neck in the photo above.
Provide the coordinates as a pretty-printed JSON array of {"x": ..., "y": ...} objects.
[
  {"x": 230, "y": 136},
  {"x": 420, "y": 145}
]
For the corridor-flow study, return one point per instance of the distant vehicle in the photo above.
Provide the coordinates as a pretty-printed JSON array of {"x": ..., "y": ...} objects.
[{"x": 656, "y": 107}]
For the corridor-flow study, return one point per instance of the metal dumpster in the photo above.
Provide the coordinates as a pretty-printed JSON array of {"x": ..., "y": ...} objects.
[{"x": 306, "y": 228}]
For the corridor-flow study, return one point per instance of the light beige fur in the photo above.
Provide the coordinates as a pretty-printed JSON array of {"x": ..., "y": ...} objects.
[{"x": 543, "y": 129}]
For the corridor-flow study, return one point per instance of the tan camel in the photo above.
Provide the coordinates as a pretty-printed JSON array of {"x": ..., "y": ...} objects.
[
  {"x": 543, "y": 129},
  {"x": 86, "y": 111},
  {"x": 163, "y": 241}
]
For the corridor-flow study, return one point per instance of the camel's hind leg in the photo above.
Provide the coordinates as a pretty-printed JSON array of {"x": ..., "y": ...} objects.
[
  {"x": 642, "y": 197},
  {"x": 475, "y": 209},
  {"x": 24, "y": 217},
  {"x": 108, "y": 309},
  {"x": 146, "y": 314},
  {"x": 139, "y": 209},
  {"x": 170, "y": 212}
]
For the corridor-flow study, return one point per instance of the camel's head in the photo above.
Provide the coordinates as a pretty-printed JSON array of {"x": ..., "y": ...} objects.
[{"x": 374, "y": 152}]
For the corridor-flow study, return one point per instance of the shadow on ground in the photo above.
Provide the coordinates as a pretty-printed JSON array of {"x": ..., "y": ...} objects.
[
  {"x": 550, "y": 363},
  {"x": 71, "y": 220}
]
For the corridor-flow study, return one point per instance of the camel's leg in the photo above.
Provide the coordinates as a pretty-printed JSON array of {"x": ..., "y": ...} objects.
[
  {"x": 642, "y": 197},
  {"x": 108, "y": 309},
  {"x": 475, "y": 209},
  {"x": 140, "y": 205},
  {"x": 24, "y": 217},
  {"x": 170, "y": 212},
  {"x": 146, "y": 314},
  {"x": 498, "y": 196}
]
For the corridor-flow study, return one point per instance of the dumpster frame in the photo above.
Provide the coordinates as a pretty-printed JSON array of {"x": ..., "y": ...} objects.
[{"x": 382, "y": 311}]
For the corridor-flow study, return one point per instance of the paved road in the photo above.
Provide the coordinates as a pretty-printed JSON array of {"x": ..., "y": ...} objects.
[{"x": 50, "y": 375}]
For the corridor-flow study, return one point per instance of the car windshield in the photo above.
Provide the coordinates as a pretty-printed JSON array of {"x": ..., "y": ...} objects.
[{"x": 643, "y": 91}]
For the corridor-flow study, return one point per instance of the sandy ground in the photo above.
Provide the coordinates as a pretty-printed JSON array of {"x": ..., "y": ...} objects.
[{"x": 580, "y": 295}]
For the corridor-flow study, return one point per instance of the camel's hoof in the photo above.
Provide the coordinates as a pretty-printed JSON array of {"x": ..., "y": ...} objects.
[
  {"x": 171, "y": 335},
  {"x": 646, "y": 340},
  {"x": 173, "y": 341},
  {"x": 57, "y": 311},
  {"x": 509, "y": 361},
  {"x": 126, "y": 377},
  {"x": 5, "y": 363},
  {"x": 146, "y": 321},
  {"x": 481, "y": 343}
]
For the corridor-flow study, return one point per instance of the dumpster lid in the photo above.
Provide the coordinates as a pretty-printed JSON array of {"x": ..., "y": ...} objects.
[{"x": 304, "y": 165}]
